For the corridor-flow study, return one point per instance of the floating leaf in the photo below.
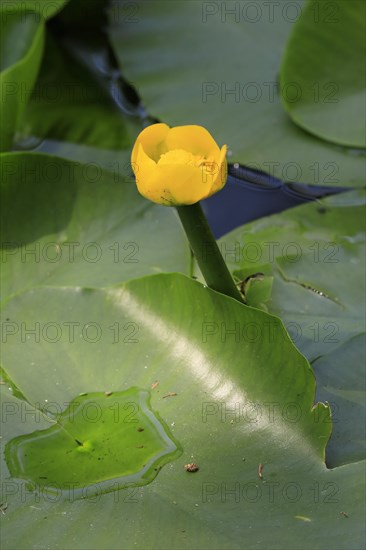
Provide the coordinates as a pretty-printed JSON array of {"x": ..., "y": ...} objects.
[
  {"x": 67, "y": 223},
  {"x": 217, "y": 64},
  {"x": 315, "y": 254},
  {"x": 20, "y": 60},
  {"x": 242, "y": 401},
  {"x": 323, "y": 70}
]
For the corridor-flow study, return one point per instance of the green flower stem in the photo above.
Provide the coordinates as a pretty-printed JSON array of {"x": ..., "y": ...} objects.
[{"x": 206, "y": 251}]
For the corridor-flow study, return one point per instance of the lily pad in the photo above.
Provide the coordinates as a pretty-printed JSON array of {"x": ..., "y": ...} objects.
[
  {"x": 67, "y": 105},
  {"x": 341, "y": 382},
  {"x": 79, "y": 95},
  {"x": 241, "y": 409},
  {"x": 43, "y": 8},
  {"x": 67, "y": 223},
  {"x": 20, "y": 61},
  {"x": 324, "y": 64},
  {"x": 315, "y": 255},
  {"x": 217, "y": 64}
]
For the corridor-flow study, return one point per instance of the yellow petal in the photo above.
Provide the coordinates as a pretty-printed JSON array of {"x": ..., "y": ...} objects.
[
  {"x": 144, "y": 168},
  {"x": 195, "y": 139},
  {"x": 152, "y": 139},
  {"x": 221, "y": 175},
  {"x": 170, "y": 184},
  {"x": 184, "y": 184}
]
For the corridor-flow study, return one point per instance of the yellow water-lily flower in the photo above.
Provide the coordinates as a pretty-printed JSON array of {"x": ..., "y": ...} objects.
[{"x": 178, "y": 166}]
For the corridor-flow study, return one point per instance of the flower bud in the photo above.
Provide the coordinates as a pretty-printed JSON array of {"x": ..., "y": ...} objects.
[{"x": 178, "y": 166}]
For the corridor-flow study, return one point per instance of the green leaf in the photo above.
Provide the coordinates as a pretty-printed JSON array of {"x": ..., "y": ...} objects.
[
  {"x": 66, "y": 223},
  {"x": 81, "y": 107},
  {"x": 203, "y": 378},
  {"x": 196, "y": 63},
  {"x": 22, "y": 37},
  {"x": 69, "y": 106},
  {"x": 316, "y": 255},
  {"x": 341, "y": 382},
  {"x": 324, "y": 69},
  {"x": 41, "y": 8}
]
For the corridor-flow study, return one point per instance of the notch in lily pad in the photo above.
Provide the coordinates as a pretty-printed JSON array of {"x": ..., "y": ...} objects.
[{"x": 99, "y": 444}]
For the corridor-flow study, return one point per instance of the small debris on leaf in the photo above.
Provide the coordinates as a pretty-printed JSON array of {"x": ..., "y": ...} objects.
[
  {"x": 108, "y": 393},
  {"x": 170, "y": 394},
  {"x": 303, "y": 518},
  {"x": 260, "y": 471},
  {"x": 140, "y": 446},
  {"x": 191, "y": 467},
  {"x": 344, "y": 514},
  {"x": 3, "y": 507},
  {"x": 155, "y": 385},
  {"x": 140, "y": 429}
]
